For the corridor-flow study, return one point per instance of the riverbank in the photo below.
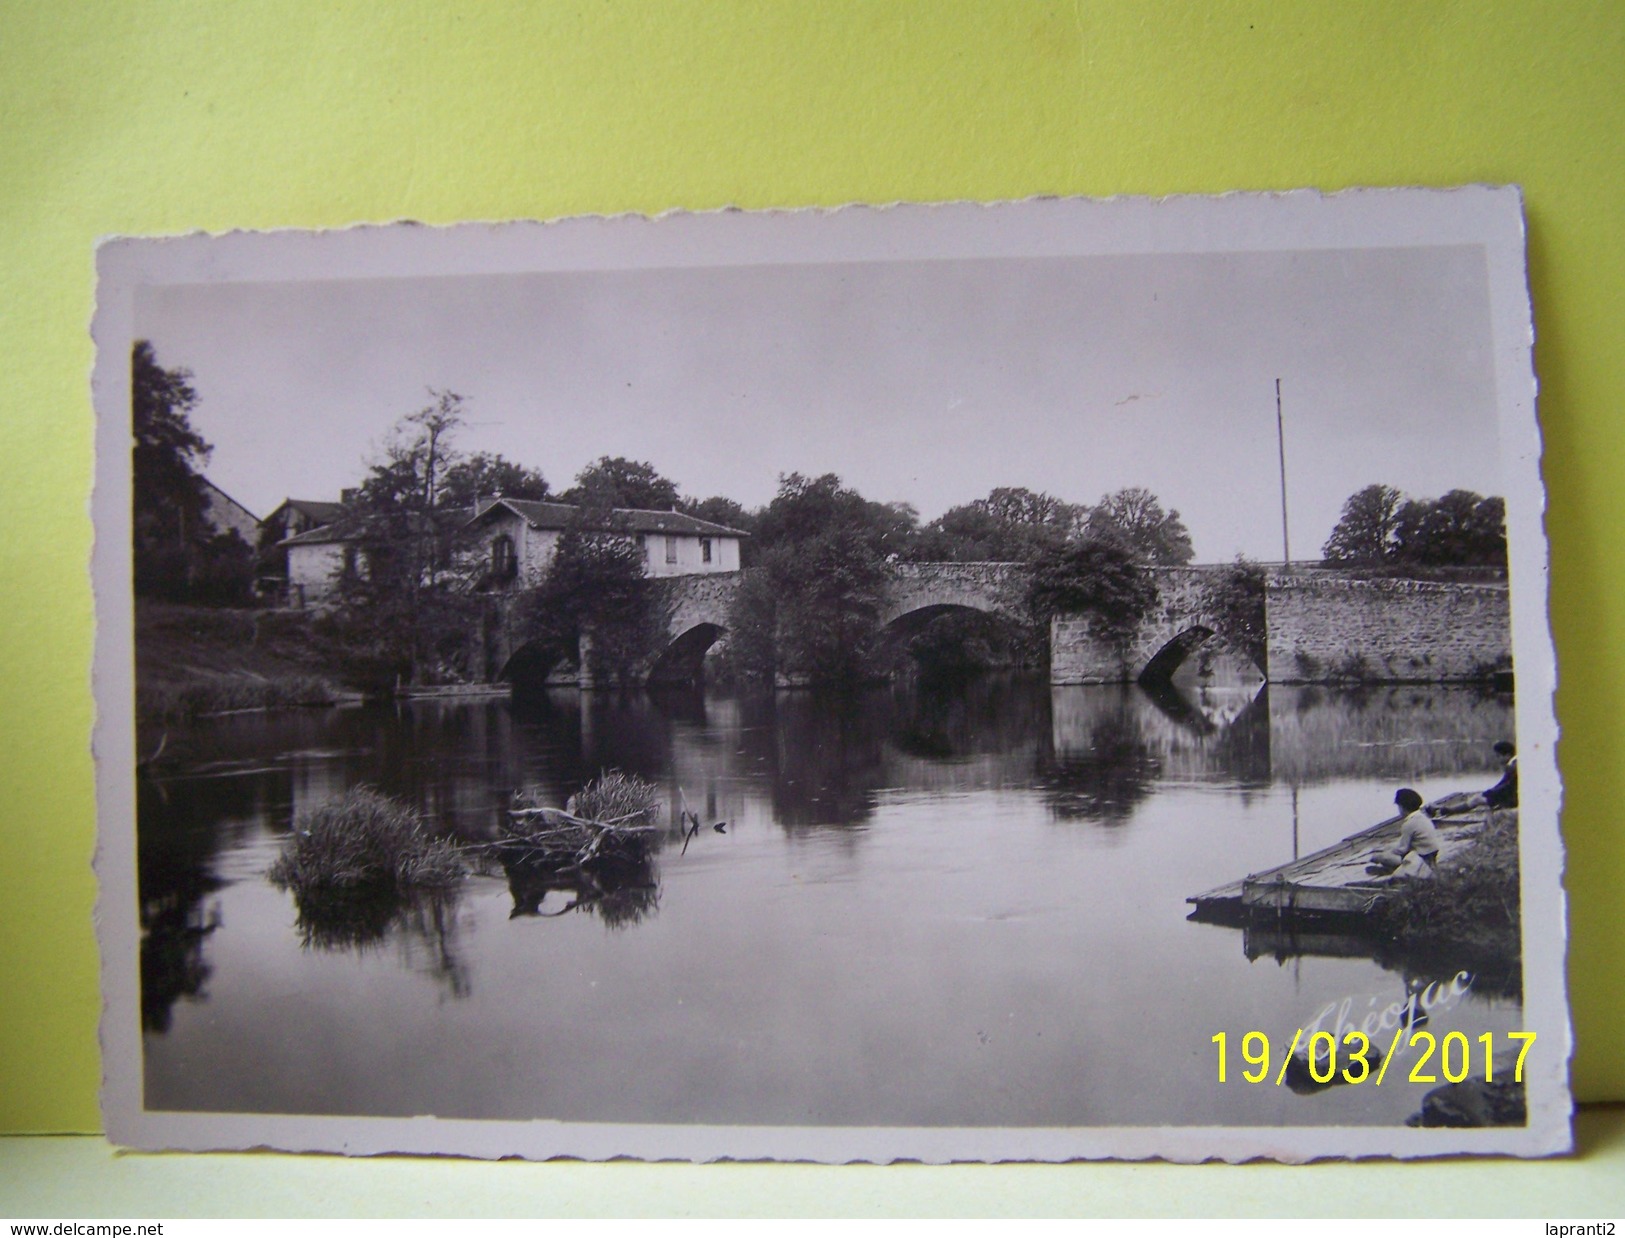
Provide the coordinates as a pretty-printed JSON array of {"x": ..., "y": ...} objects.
[
  {"x": 1467, "y": 915},
  {"x": 195, "y": 660}
]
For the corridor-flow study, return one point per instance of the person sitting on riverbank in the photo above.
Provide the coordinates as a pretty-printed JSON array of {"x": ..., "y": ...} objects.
[
  {"x": 1416, "y": 836},
  {"x": 1504, "y": 794}
]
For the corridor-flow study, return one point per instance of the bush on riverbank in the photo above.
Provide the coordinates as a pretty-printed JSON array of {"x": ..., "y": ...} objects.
[
  {"x": 1467, "y": 915},
  {"x": 178, "y": 702},
  {"x": 365, "y": 841},
  {"x": 194, "y": 660}
]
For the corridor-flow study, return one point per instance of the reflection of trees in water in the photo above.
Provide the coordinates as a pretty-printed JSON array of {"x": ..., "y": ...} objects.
[
  {"x": 1101, "y": 766},
  {"x": 980, "y": 735},
  {"x": 563, "y": 739},
  {"x": 1407, "y": 732},
  {"x": 827, "y": 757},
  {"x": 1095, "y": 751},
  {"x": 364, "y": 920},
  {"x": 620, "y": 889},
  {"x": 832, "y": 753},
  {"x": 993, "y": 715},
  {"x": 177, "y": 838},
  {"x": 175, "y": 927}
]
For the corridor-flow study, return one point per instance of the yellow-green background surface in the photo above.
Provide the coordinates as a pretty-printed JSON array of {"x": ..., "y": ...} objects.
[{"x": 168, "y": 117}]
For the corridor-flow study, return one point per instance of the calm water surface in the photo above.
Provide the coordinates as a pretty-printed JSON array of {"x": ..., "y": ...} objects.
[{"x": 960, "y": 907}]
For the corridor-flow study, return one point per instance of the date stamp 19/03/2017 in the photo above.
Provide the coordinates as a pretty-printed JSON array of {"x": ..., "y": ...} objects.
[{"x": 1355, "y": 1059}]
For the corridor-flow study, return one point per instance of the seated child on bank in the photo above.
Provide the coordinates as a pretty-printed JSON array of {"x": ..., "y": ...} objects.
[{"x": 1416, "y": 837}]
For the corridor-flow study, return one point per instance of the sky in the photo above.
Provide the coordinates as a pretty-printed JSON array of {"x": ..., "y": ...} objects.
[{"x": 926, "y": 382}]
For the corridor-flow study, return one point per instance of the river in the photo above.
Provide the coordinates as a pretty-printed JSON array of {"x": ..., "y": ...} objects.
[{"x": 960, "y": 906}]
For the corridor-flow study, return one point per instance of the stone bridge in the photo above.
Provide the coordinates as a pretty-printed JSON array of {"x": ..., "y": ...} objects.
[
  {"x": 1321, "y": 625},
  {"x": 1176, "y": 627}
]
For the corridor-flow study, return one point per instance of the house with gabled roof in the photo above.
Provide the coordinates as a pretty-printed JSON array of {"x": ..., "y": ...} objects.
[
  {"x": 318, "y": 560},
  {"x": 518, "y": 538},
  {"x": 224, "y": 514},
  {"x": 521, "y": 537},
  {"x": 295, "y": 516}
]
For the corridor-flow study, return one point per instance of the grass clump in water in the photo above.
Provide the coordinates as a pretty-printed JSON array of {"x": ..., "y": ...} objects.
[
  {"x": 365, "y": 842},
  {"x": 612, "y": 816},
  {"x": 615, "y": 797}
]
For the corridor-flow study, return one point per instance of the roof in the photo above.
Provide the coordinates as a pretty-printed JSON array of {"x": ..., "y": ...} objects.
[
  {"x": 231, "y": 500},
  {"x": 636, "y": 520},
  {"x": 353, "y": 526},
  {"x": 322, "y": 533},
  {"x": 319, "y": 510}
]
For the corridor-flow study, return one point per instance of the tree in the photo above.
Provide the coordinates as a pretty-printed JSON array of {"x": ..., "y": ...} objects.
[
  {"x": 1011, "y": 525},
  {"x": 1102, "y": 579},
  {"x": 167, "y": 491},
  {"x": 719, "y": 510},
  {"x": 959, "y": 643},
  {"x": 1133, "y": 519},
  {"x": 810, "y": 609},
  {"x": 406, "y": 609},
  {"x": 596, "y": 586},
  {"x": 1366, "y": 531},
  {"x": 619, "y": 482},
  {"x": 1460, "y": 529},
  {"x": 1016, "y": 505},
  {"x": 487, "y": 475},
  {"x": 1235, "y": 602},
  {"x": 1380, "y": 526}
]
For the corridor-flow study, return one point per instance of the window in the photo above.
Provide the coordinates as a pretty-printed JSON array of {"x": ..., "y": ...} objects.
[
  {"x": 504, "y": 562},
  {"x": 671, "y": 548},
  {"x": 705, "y": 550}
]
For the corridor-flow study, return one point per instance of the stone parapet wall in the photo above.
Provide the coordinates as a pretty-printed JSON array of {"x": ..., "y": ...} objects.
[
  {"x": 1326, "y": 628},
  {"x": 994, "y": 587},
  {"x": 698, "y": 598}
]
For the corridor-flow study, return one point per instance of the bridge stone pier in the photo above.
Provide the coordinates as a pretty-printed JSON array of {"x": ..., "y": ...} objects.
[{"x": 1176, "y": 627}]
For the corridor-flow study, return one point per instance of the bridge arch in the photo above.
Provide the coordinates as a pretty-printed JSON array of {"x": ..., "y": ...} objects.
[
  {"x": 530, "y": 667},
  {"x": 993, "y": 588},
  {"x": 682, "y": 662},
  {"x": 1160, "y": 668},
  {"x": 905, "y": 624}
]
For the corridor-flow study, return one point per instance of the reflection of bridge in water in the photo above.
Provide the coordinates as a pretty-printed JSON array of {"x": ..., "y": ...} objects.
[
  {"x": 811, "y": 764},
  {"x": 1095, "y": 751},
  {"x": 1320, "y": 626}
]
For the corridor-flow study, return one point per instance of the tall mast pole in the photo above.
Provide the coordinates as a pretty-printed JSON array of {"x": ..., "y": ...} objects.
[{"x": 1280, "y": 440}]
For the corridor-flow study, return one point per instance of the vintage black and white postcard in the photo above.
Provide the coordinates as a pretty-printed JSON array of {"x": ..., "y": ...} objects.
[{"x": 1022, "y": 682}]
